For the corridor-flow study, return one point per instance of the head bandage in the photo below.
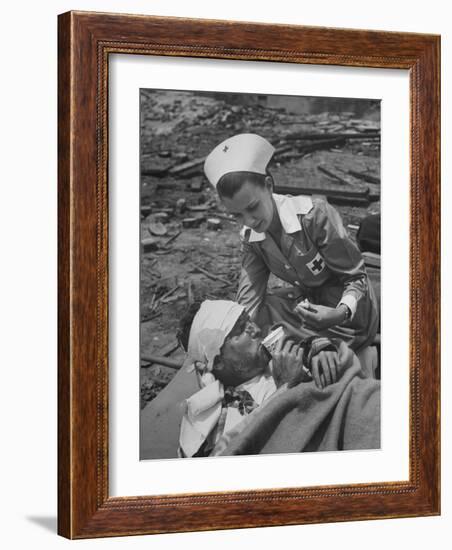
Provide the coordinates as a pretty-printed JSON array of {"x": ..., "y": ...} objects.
[
  {"x": 211, "y": 325},
  {"x": 209, "y": 330},
  {"x": 241, "y": 153}
]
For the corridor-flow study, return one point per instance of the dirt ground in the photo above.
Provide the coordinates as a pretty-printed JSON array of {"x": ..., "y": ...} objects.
[{"x": 181, "y": 127}]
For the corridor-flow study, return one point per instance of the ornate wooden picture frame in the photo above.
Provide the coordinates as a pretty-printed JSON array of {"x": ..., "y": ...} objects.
[{"x": 86, "y": 40}]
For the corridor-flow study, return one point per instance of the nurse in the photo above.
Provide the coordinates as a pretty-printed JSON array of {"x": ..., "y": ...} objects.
[{"x": 301, "y": 240}]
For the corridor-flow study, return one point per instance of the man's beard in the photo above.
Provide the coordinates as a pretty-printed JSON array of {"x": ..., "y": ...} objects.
[{"x": 253, "y": 365}]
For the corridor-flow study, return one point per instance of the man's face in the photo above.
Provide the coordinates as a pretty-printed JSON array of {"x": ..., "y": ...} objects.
[{"x": 242, "y": 356}]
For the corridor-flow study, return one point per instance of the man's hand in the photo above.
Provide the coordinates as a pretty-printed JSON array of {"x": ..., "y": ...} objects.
[
  {"x": 316, "y": 317},
  {"x": 287, "y": 362},
  {"x": 324, "y": 367}
]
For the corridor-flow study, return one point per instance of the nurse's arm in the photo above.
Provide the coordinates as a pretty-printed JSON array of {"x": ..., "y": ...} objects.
[
  {"x": 340, "y": 253},
  {"x": 253, "y": 280}
]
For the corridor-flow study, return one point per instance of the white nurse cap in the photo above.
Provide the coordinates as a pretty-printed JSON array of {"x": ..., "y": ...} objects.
[{"x": 241, "y": 153}]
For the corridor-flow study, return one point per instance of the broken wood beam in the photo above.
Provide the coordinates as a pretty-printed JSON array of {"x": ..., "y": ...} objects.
[
  {"x": 192, "y": 222},
  {"x": 298, "y": 149},
  {"x": 196, "y": 185},
  {"x": 150, "y": 317},
  {"x": 165, "y": 185},
  {"x": 320, "y": 145},
  {"x": 172, "y": 238},
  {"x": 159, "y": 360},
  {"x": 227, "y": 217},
  {"x": 330, "y": 172},
  {"x": 187, "y": 166},
  {"x": 283, "y": 149},
  {"x": 347, "y": 136},
  {"x": 349, "y": 201},
  {"x": 191, "y": 173},
  {"x": 200, "y": 207},
  {"x": 214, "y": 224},
  {"x": 155, "y": 172},
  {"x": 171, "y": 291},
  {"x": 165, "y": 351},
  {"x": 190, "y": 293},
  {"x": 322, "y": 190},
  {"x": 149, "y": 244},
  {"x": 151, "y": 306},
  {"x": 145, "y": 209},
  {"x": 365, "y": 176},
  {"x": 210, "y": 275}
]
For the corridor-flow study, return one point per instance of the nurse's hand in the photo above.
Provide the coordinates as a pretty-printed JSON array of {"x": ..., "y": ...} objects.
[
  {"x": 316, "y": 317},
  {"x": 324, "y": 367}
]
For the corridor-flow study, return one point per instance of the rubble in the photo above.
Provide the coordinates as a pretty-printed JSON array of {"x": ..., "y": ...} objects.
[
  {"x": 181, "y": 206},
  {"x": 163, "y": 361},
  {"x": 371, "y": 178},
  {"x": 196, "y": 184},
  {"x": 336, "y": 176},
  {"x": 164, "y": 352},
  {"x": 214, "y": 224},
  {"x": 351, "y": 134},
  {"x": 341, "y": 191},
  {"x": 187, "y": 167},
  {"x": 157, "y": 228},
  {"x": 210, "y": 275},
  {"x": 188, "y": 223},
  {"x": 149, "y": 244},
  {"x": 199, "y": 207},
  {"x": 172, "y": 238}
]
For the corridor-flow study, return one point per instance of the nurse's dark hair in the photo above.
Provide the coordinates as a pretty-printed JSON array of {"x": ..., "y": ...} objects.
[
  {"x": 230, "y": 183},
  {"x": 183, "y": 332}
]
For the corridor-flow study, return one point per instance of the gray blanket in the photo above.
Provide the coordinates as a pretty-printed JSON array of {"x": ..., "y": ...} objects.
[{"x": 344, "y": 415}]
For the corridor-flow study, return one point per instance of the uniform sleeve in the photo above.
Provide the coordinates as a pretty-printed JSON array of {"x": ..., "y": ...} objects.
[
  {"x": 342, "y": 256},
  {"x": 253, "y": 280}
]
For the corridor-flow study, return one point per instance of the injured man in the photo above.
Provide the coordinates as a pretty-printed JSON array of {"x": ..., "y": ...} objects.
[{"x": 271, "y": 395}]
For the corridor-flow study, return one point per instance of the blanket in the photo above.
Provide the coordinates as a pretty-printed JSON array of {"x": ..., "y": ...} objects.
[{"x": 344, "y": 415}]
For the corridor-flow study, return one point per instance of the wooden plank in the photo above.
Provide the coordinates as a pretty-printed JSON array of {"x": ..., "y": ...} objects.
[
  {"x": 165, "y": 351},
  {"x": 320, "y": 145},
  {"x": 343, "y": 135},
  {"x": 159, "y": 360},
  {"x": 334, "y": 174},
  {"x": 365, "y": 176},
  {"x": 179, "y": 168},
  {"x": 304, "y": 189},
  {"x": 155, "y": 172},
  {"x": 349, "y": 201},
  {"x": 210, "y": 275}
]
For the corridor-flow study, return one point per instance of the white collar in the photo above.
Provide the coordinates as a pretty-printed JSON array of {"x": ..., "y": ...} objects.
[
  {"x": 289, "y": 208},
  {"x": 203, "y": 409}
]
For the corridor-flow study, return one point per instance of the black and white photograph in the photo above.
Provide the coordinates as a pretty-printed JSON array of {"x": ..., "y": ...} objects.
[{"x": 260, "y": 274}]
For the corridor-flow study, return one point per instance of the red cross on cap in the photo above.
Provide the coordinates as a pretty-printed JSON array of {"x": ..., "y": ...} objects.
[{"x": 245, "y": 153}]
